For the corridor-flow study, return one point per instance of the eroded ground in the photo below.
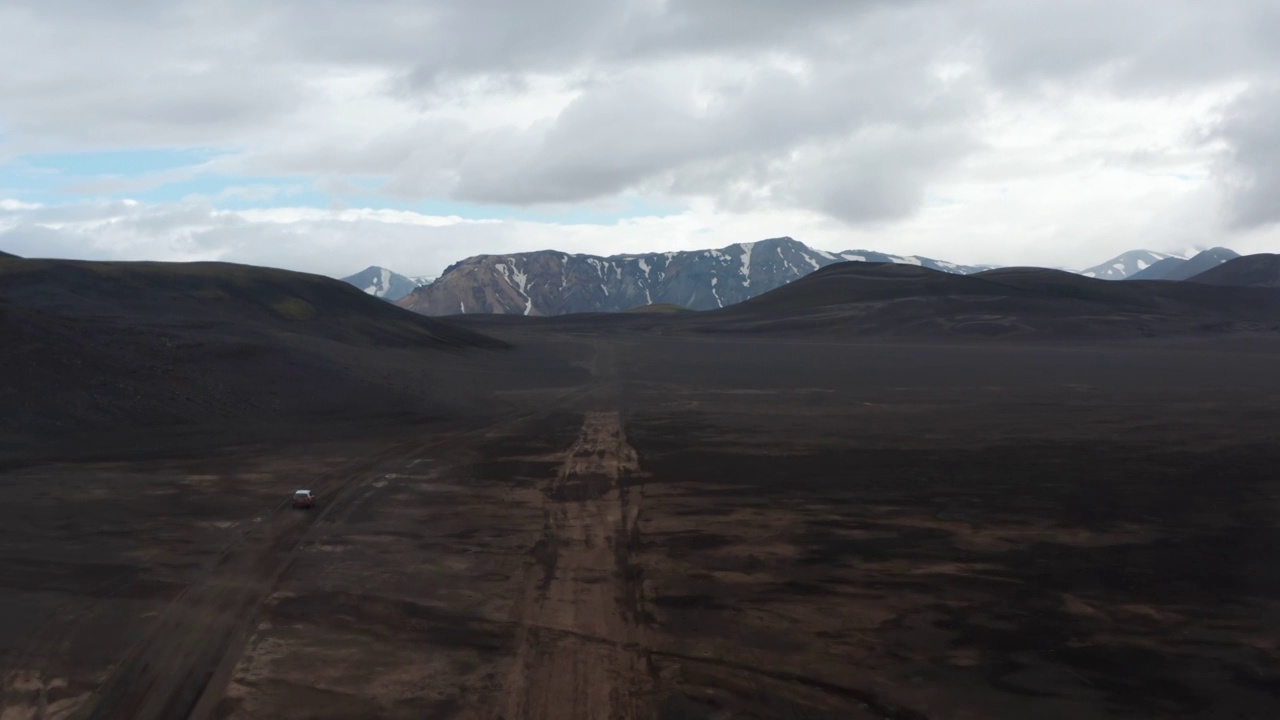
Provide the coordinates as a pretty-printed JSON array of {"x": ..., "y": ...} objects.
[{"x": 707, "y": 529}]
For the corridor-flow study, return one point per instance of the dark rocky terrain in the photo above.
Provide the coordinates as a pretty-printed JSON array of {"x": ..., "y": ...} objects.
[
  {"x": 785, "y": 509},
  {"x": 556, "y": 283}
]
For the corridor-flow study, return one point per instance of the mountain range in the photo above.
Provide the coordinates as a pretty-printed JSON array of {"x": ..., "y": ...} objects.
[
  {"x": 1176, "y": 268},
  {"x": 1126, "y": 265},
  {"x": 550, "y": 282},
  {"x": 557, "y": 283},
  {"x": 861, "y": 299},
  {"x": 383, "y": 283}
]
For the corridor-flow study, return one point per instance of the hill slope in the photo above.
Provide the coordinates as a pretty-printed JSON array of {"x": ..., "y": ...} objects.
[
  {"x": 383, "y": 283},
  {"x": 556, "y": 283},
  {"x": 873, "y": 299},
  {"x": 223, "y": 295},
  {"x": 1261, "y": 270},
  {"x": 97, "y": 346}
]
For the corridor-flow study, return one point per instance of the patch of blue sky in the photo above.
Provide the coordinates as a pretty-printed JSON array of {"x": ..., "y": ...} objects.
[
  {"x": 59, "y": 177},
  {"x": 231, "y": 192},
  {"x": 120, "y": 163},
  {"x": 22, "y": 183},
  {"x": 178, "y": 175}
]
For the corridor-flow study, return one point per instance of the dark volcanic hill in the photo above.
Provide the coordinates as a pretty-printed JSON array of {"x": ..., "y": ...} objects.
[
  {"x": 4, "y": 254},
  {"x": 220, "y": 295},
  {"x": 114, "y": 345},
  {"x": 1175, "y": 268},
  {"x": 1261, "y": 270},
  {"x": 383, "y": 283},
  {"x": 556, "y": 283},
  {"x": 878, "y": 299}
]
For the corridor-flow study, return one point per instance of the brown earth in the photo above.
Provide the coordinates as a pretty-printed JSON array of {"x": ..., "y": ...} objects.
[{"x": 683, "y": 528}]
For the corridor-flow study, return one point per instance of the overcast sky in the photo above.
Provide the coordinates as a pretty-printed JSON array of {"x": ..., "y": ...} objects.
[{"x": 329, "y": 135}]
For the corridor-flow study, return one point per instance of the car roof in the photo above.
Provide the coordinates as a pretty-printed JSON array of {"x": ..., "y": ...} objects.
[{"x": 301, "y": 492}]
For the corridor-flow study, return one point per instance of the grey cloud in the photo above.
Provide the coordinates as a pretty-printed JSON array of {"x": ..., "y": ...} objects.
[
  {"x": 194, "y": 231},
  {"x": 876, "y": 176},
  {"x": 441, "y": 40},
  {"x": 244, "y": 76},
  {"x": 1250, "y": 169},
  {"x": 177, "y": 72},
  {"x": 1135, "y": 45},
  {"x": 622, "y": 133}
]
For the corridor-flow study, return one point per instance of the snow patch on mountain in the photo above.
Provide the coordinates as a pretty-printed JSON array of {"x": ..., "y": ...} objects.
[
  {"x": 383, "y": 283},
  {"x": 525, "y": 283},
  {"x": 1126, "y": 265},
  {"x": 518, "y": 280}
]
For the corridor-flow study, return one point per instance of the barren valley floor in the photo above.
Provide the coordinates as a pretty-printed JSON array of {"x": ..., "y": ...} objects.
[{"x": 706, "y": 528}]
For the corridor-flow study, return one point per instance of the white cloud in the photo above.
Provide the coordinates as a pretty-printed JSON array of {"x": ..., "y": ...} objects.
[
  {"x": 340, "y": 242},
  {"x": 1048, "y": 131}
]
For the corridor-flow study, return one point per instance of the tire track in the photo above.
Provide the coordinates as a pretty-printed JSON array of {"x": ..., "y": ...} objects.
[
  {"x": 580, "y": 654},
  {"x": 192, "y": 644},
  {"x": 181, "y": 666}
]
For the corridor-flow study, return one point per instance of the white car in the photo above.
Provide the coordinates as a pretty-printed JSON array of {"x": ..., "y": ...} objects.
[{"x": 304, "y": 499}]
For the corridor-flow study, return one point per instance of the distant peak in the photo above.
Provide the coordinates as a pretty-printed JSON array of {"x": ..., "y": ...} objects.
[{"x": 784, "y": 240}]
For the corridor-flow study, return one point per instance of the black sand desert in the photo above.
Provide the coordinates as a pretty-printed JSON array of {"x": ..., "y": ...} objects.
[{"x": 878, "y": 494}]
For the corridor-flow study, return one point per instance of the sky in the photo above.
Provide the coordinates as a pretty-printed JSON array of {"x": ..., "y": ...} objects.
[{"x": 331, "y": 135}]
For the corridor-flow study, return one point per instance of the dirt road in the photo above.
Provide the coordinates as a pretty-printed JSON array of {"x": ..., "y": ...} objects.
[
  {"x": 581, "y": 651},
  {"x": 704, "y": 530}
]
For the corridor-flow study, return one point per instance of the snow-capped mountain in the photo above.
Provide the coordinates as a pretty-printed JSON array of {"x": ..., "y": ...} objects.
[
  {"x": 556, "y": 283},
  {"x": 1126, "y": 265},
  {"x": 383, "y": 283},
  {"x": 1186, "y": 268}
]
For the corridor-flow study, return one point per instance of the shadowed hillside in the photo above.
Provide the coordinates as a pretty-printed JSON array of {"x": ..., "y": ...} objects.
[
  {"x": 1262, "y": 270},
  {"x": 119, "y": 345},
  {"x": 866, "y": 298},
  {"x": 221, "y": 295}
]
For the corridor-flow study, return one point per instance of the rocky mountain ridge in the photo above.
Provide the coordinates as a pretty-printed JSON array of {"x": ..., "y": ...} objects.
[{"x": 557, "y": 283}]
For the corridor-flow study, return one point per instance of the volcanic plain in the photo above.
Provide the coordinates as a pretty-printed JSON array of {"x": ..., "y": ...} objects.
[{"x": 669, "y": 517}]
